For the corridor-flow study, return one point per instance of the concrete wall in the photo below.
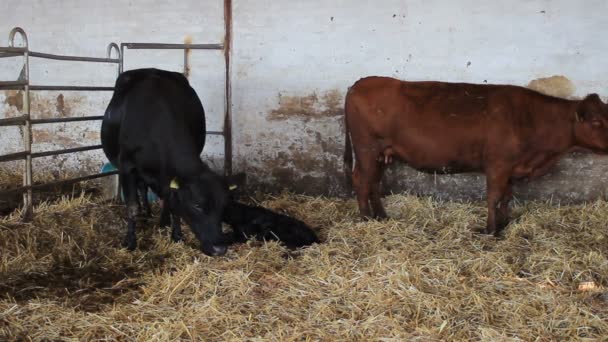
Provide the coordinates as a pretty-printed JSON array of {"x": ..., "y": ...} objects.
[
  {"x": 84, "y": 28},
  {"x": 292, "y": 62}
]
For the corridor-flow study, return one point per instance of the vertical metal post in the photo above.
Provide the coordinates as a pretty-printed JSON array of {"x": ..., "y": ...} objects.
[
  {"x": 186, "y": 62},
  {"x": 122, "y": 59},
  {"x": 114, "y": 46},
  {"x": 27, "y": 129},
  {"x": 228, "y": 110},
  {"x": 27, "y": 137}
]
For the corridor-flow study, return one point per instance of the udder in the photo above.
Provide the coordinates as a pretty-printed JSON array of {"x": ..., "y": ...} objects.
[{"x": 386, "y": 156}]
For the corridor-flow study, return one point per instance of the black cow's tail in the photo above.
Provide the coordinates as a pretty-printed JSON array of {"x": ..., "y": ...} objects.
[{"x": 348, "y": 150}]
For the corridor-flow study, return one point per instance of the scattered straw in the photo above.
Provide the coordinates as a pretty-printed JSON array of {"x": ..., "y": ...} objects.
[{"x": 421, "y": 276}]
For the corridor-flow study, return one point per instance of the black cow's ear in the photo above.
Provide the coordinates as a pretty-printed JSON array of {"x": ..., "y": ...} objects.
[{"x": 236, "y": 181}]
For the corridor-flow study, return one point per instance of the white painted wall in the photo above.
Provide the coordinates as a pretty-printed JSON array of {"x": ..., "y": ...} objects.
[
  {"x": 85, "y": 28},
  {"x": 317, "y": 48},
  {"x": 292, "y": 62}
]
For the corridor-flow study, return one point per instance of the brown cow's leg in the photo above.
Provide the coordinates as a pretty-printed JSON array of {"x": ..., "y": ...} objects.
[
  {"x": 369, "y": 176},
  {"x": 376, "y": 203},
  {"x": 362, "y": 190},
  {"x": 503, "y": 210},
  {"x": 497, "y": 183}
]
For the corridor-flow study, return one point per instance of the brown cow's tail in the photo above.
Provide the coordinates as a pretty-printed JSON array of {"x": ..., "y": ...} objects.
[{"x": 348, "y": 151}]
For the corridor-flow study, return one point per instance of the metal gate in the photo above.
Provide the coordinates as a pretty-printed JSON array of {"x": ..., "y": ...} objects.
[{"x": 26, "y": 122}]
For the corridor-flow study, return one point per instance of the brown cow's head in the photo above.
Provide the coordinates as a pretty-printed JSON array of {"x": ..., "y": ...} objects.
[{"x": 591, "y": 127}]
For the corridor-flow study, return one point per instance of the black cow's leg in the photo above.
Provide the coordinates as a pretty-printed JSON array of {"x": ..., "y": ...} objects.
[
  {"x": 143, "y": 193},
  {"x": 176, "y": 228},
  {"x": 497, "y": 182},
  {"x": 165, "y": 216},
  {"x": 129, "y": 185}
]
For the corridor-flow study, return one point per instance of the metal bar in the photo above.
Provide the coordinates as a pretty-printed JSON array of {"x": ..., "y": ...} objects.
[
  {"x": 61, "y": 120},
  {"x": 11, "y": 38},
  {"x": 18, "y": 190},
  {"x": 214, "y": 133},
  {"x": 64, "y": 151},
  {"x": 19, "y": 50},
  {"x": 13, "y": 156},
  {"x": 17, "y": 85},
  {"x": 73, "y": 58},
  {"x": 228, "y": 110},
  {"x": 71, "y": 88},
  {"x": 73, "y": 180},
  {"x": 10, "y": 54},
  {"x": 28, "y": 201},
  {"x": 56, "y": 183},
  {"x": 162, "y": 46},
  {"x": 16, "y": 121}
]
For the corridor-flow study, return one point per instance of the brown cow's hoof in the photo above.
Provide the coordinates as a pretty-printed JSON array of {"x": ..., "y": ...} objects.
[
  {"x": 481, "y": 231},
  {"x": 365, "y": 218},
  {"x": 373, "y": 218},
  {"x": 499, "y": 234},
  {"x": 381, "y": 218}
]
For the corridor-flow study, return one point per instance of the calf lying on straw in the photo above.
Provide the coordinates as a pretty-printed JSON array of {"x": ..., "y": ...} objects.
[{"x": 263, "y": 224}]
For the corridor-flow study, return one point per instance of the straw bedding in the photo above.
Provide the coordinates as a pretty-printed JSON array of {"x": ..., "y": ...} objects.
[{"x": 423, "y": 275}]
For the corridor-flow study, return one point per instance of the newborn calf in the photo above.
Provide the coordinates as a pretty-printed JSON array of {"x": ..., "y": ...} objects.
[{"x": 263, "y": 224}]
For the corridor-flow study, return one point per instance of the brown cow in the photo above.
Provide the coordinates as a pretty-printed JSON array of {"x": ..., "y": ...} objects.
[{"x": 506, "y": 132}]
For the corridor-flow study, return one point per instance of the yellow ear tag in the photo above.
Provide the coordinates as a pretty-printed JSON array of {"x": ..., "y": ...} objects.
[
  {"x": 232, "y": 187},
  {"x": 174, "y": 184}
]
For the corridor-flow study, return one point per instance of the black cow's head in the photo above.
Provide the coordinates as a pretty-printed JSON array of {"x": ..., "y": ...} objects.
[
  {"x": 591, "y": 128},
  {"x": 200, "y": 201}
]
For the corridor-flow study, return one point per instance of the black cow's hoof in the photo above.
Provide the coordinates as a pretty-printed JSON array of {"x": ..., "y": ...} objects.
[
  {"x": 177, "y": 238},
  {"x": 164, "y": 222},
  {"x": 216, "y": 250},
  {"x": 130, "y": 245}
]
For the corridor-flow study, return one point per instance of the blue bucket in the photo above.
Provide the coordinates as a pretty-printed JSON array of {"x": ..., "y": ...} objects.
[{"x": 108, "y": 167}]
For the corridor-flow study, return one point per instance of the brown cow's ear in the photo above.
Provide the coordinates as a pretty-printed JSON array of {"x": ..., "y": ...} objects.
[{"x": 593, "y": 97}]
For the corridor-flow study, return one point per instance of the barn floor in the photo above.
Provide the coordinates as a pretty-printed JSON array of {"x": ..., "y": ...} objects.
[{"x": 421, "y": 276}]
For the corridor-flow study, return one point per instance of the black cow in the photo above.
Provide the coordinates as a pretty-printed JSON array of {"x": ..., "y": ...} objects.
[
  {"x": 263, "y": 224},
  {"x": 154, "y": 132}
]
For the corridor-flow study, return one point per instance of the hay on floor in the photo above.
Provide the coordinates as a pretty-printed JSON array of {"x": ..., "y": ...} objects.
[{"x": 422, "y": 275}]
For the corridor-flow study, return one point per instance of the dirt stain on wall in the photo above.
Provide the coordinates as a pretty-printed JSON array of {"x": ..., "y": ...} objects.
[
  {"x": 42, "y": 105},
  {"x": 44, "y": 136},
  {"x": 61, "y": 107},
  {"x": 558, "y": 86},
  {"x": 308, "y": 106},
  {"x": 14, "y": 98}
]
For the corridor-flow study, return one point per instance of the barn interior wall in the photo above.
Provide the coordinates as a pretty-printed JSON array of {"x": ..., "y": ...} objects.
[
  {"x": 294, "y": 61},
  {"x": 291, "y": 64}
]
